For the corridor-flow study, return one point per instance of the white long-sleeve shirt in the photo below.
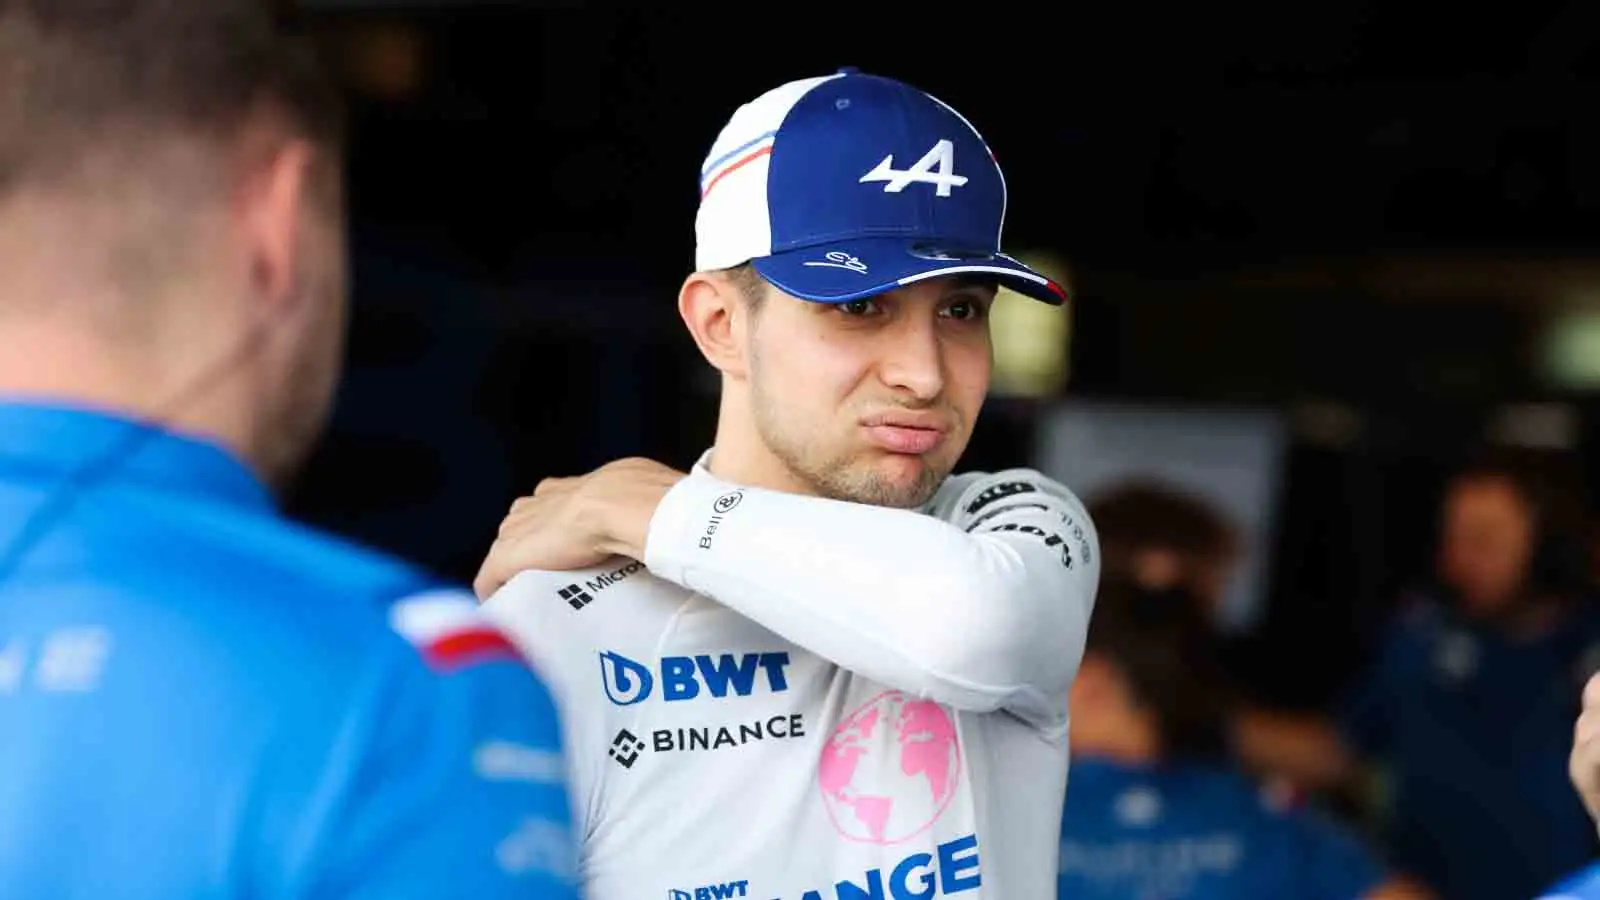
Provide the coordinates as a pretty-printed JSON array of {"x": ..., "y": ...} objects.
[{"x": 804, "y": 699}]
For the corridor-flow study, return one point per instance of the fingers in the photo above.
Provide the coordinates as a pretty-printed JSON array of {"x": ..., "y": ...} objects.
[
  {"x": 1587, "y": 728},
  {"x": 491, "y": 577},
  {"x": 549, "y": 486},
  {"x": 501, "y": 564},
  {"x": 525, "y": 511},
  {"x": 547, "y": 490},
  {"x": 483, "y": 585},
  {"x": 1584, "y": 764},
  {"x": 555, "y": 527},
  {"x": 520, "y": 512},
  {"x": 1588, "y": 724},
  {"x": 630, "y": 462}
]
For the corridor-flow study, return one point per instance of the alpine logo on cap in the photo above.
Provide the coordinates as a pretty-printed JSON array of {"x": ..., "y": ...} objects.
[{"x": 941, "y": 154}]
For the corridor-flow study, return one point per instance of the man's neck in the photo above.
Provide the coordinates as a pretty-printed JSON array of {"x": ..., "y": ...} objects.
[
  {"x": 1528, "y": 618},
  {"x": 741, "y": 457},
  {"x": 51, "y": 361}
]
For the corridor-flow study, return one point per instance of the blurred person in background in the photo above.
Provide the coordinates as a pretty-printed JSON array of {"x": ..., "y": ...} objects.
[
  {"x": 1169, "y": 540},
  {"x": 841, "y": 670},
  {"x": 1162, "y": 537},
  {"x": 198, "y": 698},
  {"x": 1468, "y": 708},
  {"x": 1155, "y": 809}
]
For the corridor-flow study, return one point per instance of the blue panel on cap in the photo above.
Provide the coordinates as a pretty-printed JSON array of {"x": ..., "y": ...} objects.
[
  {"x": 851, "y": 269},
  {"x": 842, "y": 130}
]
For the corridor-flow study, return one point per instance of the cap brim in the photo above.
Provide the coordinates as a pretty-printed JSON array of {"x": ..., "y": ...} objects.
[{"x": 864, "y": 267}]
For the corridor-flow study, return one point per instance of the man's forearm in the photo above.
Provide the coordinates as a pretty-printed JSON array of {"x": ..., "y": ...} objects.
[
  {"x": 975, "y": 620},
  {"x": 625, "y": 516}
]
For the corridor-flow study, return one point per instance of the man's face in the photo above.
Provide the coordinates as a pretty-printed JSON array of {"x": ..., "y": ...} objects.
[
  {"x": 873, "y": 400},
  {"x": 1486, "y": 544}
]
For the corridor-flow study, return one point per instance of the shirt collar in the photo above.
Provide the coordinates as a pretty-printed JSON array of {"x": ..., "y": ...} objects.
[{"x": 101, "y": 446}]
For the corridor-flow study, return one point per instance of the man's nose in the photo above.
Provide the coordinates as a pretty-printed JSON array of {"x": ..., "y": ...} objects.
[{"x": 914, "y": 359}]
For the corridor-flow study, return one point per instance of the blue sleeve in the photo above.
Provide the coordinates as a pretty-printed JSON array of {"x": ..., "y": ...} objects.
[
  {"x": 1334, "y": 864},
  {"x": 452, "y": 783},
  {"x": 1584, "y": 885}
]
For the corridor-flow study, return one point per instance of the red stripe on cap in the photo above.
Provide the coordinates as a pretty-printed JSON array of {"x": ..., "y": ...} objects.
[
  {"x": 465, "y": 648},
  {"x": 742, "y": 161}
]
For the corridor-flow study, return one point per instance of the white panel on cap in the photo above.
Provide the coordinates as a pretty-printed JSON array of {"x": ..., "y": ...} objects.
[{"x": 733, "y": 225}]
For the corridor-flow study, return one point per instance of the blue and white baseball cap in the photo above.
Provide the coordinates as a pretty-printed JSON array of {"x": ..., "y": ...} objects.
[{"x": 849, "y": 185}]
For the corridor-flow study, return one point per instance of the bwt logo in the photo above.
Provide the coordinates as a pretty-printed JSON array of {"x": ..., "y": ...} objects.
[
  {"x": 713, "y": 891},
  {"x": 683, "y": 677}
]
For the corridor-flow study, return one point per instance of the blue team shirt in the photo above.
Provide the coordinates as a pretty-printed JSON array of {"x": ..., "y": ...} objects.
[
  {"x": 1582, "y": 885},
  {"x": 1475, "y": 728},
  {"x": 199, "y": 699},
  {"x": 1193, "y": 832}
]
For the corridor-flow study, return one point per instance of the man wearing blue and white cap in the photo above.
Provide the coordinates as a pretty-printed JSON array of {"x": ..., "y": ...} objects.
[
  {"x": 826, "y": 187},
  {"x": 818, "y": 666}
]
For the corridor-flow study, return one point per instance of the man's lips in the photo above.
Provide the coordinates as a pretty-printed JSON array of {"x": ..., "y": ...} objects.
[{"x": 904, "y": 432}]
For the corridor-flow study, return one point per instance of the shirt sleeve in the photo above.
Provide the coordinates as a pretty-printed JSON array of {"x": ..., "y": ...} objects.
[
  {"x": 980, "y": 601},
  {"x": 448, "y": 777},
  {"x": 1583, "y": 885},
  {"x": 554, "y": 621}
]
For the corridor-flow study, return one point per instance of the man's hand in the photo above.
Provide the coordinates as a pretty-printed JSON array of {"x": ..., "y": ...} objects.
[
  {"x": 571, "y": 523},
  {"x": 1584, "y": 764}
]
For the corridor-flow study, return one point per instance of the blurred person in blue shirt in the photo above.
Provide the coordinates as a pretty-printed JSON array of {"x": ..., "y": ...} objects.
[
  {"x": 198, "y": 698},
  {"x": 1153, "y": 809},
  {"x": 1584, "y": 885},
  {"x": 1468, "y": 706}
]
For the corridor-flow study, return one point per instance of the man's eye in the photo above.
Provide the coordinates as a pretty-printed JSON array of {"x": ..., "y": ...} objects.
[
  {"x": 857, "y": 307},
  {"x": 966, "y": 310}
]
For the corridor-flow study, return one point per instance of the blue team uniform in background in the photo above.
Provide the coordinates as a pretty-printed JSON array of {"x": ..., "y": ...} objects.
[
  {"x": 199, "y": 699},
  {"x": 1193, "y": 832},
  {"x": 1584, "y": 885},
  {"x": 1476, "y": 728}
]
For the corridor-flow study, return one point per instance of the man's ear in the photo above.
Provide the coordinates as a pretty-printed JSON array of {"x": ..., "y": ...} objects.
[
  {"x": 271, "y": 202},
  {"x": 719, "y": 319}
]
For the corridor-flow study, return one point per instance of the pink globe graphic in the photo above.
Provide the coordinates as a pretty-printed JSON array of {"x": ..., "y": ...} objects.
[{"x": 890, "y": 768}]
